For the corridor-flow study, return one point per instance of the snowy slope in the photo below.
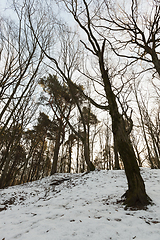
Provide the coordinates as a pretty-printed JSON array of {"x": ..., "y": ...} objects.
[{"x": 80, "y": 208}]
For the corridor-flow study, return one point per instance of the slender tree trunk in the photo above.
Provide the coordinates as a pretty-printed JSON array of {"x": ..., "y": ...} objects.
[
  {"x": 144, "y": 132},
  {"x": 77, "y": 158},
  {"x": 56, "y": 153},
  {"x": 82, "y": 162},
  {"x": 40, "y": 158},
  {"x": 138, "y": 156},
  {"x": 31, "y": 166},
  {"x": 155, "y": 146},
  {"x": 10, "y": 174},
  {"x": 25, "y": 167},
  {"x": 5, "y": 155},
  {"x": 6, "y": 169},
  {"x": 110, "y": 159},
  {"x": 70, "y": 156},
  {"x": 33, "y": 173},
  {"x": 116, "y": 158},
  {"x": 90, "y": 165}
]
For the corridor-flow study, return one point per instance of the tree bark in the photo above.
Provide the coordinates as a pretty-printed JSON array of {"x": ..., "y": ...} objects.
[
  {"x": 90, "y": 165},
  {"x": 136, "y": 194},
  {"x": 116, "y": 164},
  {"x": 56, "y": 153},
  {"x": 69, "y": 158},
  {"x": 77, "y": 158}
]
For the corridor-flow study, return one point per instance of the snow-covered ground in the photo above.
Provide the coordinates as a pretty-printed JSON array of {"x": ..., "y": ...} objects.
[{"x": 80, "y": 208}]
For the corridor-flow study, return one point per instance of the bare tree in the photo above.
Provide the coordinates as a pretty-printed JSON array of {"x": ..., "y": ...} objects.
[
  {"x": 21, "y": 60},
  {"x": 84, "y": 14},
  {"x": 152, "y": 132},
  {"x": 135, "y": 27}
]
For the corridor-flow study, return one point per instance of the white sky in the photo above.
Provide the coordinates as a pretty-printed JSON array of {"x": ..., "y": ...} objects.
[{"x": 3, "y": 4}]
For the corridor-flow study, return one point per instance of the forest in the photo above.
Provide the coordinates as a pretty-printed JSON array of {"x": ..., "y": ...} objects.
[{"x": 79, "y": 90}]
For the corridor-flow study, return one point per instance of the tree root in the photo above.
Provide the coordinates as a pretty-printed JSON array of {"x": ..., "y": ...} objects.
[{"x": 135, "y": 201}]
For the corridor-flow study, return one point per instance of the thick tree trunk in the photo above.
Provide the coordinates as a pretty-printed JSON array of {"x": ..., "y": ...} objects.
[{"x": 136, "y": 195}]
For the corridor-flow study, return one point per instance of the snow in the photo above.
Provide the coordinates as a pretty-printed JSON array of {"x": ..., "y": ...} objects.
[{"x": 79, "y": 207}]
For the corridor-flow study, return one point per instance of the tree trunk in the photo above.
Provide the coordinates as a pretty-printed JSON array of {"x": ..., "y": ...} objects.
[
  {"x": 6, "y": 169},
  {"x": 144, "y": 132},
  {"x": 90, "y": 165},
  {"x": 56, "y": 153},
  {"x": 40, "y": 158},
  {"x": 136, "y": 195},
  {"x": 70, "y": 156},
  {"x": 138, "y": 156},
  {"x": 82, "y": 162},
  {"x": 77, "y": 158},
  {"x": 116, "y": 158}
]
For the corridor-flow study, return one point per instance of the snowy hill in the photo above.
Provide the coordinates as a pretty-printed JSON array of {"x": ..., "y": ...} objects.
[{"x": 78, "y": 207}]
